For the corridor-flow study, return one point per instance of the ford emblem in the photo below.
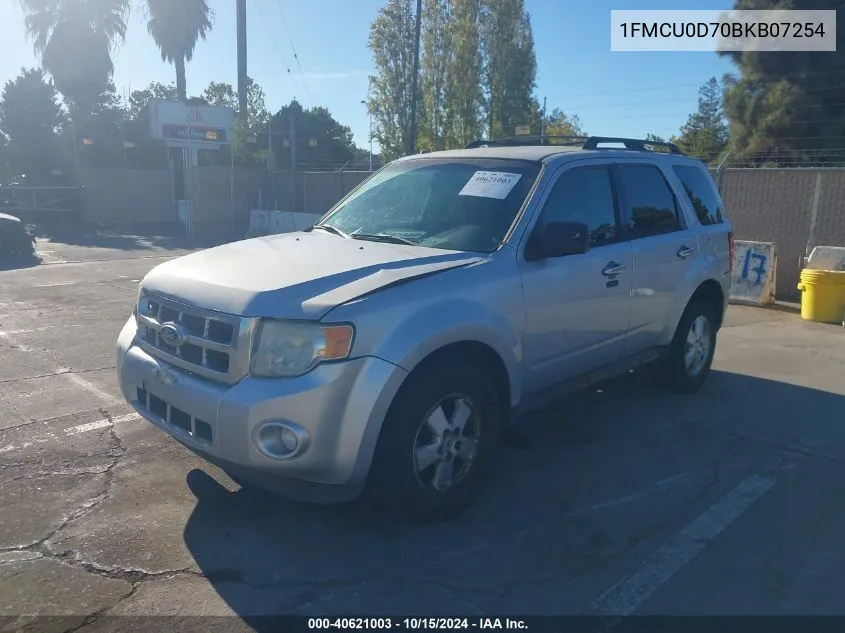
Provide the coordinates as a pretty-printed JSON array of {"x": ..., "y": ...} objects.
[{"x": 171, "y": 334}]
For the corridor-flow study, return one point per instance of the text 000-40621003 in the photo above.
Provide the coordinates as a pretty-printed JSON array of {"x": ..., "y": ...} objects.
[
  {"x": 714, "y": 30},
  {"x": 417, "y": 624}
]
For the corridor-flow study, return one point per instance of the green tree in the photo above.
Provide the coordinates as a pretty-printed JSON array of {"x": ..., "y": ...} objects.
[
  {"x": 510, "y": 66},
  {"x": 705, "y": 134},
  {"x": 321, "y": 141},
  {"x": 436, "y": 59},
  {"x": 100, "y": 142},
  {"x": 558, "y": 123},
  {"x": 224, "y": 95},
  {"x": 245, "y": 146},
  {"x": 139, "y": 100},
  {"x": 176, "y": 28},
  {"x": 391, "y": 42},
  {"x": 655, "y": 138},
  {"x": 786, "y": 108},
  {"x": 6, "y": 172},
  {"x": 463, "y": 98},
  {"x": 74, "y": 41},
  {"x": 31, "y": 120}
]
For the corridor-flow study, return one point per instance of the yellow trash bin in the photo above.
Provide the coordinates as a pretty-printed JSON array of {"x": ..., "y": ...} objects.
[{"x": 823, "y": 295}]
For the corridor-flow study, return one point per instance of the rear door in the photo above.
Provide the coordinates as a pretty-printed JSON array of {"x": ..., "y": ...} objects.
[
  {"x": 577, "y": 306},
  {"x": 703, "y": 196},
  {"x": 663, "y": 244}
]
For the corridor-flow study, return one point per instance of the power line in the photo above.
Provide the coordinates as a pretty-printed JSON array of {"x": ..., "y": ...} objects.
[
  {"x": 611, "y": 104},
  {"x": 798, "y": 74},
  {"x": 265, "y": 24},
  {"x": 293, "y": 48}
]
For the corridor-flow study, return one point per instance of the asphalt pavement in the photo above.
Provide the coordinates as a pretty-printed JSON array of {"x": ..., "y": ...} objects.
[{"x": 625, "y": 500}]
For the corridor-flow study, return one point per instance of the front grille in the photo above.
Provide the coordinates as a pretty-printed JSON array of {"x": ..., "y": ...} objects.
[
  {"x": 170, "y": 415},
  {"x": 199, "y": 341}
]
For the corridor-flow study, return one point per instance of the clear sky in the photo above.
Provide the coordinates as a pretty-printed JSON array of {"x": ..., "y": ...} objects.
[{"x": 613, "y": 93}]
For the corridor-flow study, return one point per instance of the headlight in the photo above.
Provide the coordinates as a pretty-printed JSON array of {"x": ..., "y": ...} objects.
[{"x": 292, "y": 348}]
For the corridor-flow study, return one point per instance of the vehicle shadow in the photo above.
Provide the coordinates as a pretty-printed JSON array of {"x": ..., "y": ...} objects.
[
  {"x": 18, "y": 262},
  {"x": 265, "y": 556}
]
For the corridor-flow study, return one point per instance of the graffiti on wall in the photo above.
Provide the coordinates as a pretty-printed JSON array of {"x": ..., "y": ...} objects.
[
  {"x": 753, "y": 279},
  {"x": 753, "y": 268}
]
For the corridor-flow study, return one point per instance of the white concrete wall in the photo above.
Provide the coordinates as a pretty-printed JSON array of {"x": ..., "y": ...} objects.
[
  {"x": 263, "y": 222},
  {"x": 753, "y": 279}
]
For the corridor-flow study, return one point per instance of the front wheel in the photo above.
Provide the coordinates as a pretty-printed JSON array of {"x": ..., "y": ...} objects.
[
  {"x": 438, "y": 442},
  {"x": 691, "y": 352}
]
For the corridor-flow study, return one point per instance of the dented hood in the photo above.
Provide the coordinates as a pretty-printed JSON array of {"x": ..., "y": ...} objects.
[{"x": 294, "y": 275}]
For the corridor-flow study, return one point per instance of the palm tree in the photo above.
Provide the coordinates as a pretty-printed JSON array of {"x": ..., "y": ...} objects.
[
  {"x": 176, "y": 26},
  {"x": 74, "y": 40}
]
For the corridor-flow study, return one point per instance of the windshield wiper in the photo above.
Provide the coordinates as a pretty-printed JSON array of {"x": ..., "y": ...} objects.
[
  {"x": 383, "y": 237},
  {"x": 331, "y": 229}
]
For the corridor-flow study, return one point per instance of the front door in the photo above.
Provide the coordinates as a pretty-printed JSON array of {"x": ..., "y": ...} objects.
[{"x": 577, "y": 306}]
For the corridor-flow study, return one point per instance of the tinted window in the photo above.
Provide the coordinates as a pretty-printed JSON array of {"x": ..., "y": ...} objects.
[
  {"x": 701, "y": 193},
  {"x": 651, "y": 203},
  {"x": 463, "y": 204},
  {"x": 584, "y": 194}
]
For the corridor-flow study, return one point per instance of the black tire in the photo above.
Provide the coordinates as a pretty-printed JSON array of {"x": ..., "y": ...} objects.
[
  {"x": 394, "y": 483},
  {"x": 675, "y": 372}
]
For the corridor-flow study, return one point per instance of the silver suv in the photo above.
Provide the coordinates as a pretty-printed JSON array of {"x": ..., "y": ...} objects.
[{"x": 388, "y": 347}]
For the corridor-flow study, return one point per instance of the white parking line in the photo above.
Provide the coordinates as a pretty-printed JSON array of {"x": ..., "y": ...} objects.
[
  {"x": 23, "y": 348},
  {"x": 623, "y": 598},
  {"x": 27, "y": 331},
  {"x": 76, "y": 379},
  {"x": 101, "y": 424},
  {"x": 57, "y": 283},
  {"x": 73, "y": 430},
  {"x": 88, "y": 386}
]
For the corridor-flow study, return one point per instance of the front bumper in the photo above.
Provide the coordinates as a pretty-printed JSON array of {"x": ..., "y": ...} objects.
[{"x": 340, "y": 407}]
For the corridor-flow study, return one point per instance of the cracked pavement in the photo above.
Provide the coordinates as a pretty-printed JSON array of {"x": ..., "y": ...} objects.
[{"x": 104, "y": 518}]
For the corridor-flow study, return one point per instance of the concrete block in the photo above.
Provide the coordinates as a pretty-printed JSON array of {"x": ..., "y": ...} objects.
[
  {"x": 280, "y": 222},
  {"x": 753, "y": 278}
]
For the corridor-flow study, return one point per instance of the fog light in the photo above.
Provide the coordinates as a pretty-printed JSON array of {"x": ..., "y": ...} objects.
[
  {"x": 288, "y": 439},
  {"x": 280, "y": 439}
]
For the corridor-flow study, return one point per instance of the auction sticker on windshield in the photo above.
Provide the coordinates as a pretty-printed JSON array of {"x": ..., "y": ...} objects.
[{"x": 490, "y": 184}]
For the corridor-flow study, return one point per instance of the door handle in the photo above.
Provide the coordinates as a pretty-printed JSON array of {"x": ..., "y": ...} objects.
[
  {"x": 612, "y": 269},
  {"x": 685, "y": 251}
]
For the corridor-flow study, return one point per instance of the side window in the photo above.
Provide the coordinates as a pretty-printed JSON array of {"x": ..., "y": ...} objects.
[
  {"x": 652, "y": 209},
  {"x": 584, "y": 194},
  {"x": 702, "y": 194}
]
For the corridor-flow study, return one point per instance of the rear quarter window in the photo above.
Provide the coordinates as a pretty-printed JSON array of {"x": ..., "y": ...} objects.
[{"x": 702, "y": 194}]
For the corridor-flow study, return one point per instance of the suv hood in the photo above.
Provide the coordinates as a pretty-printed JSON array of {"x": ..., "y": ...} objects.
[{"x": 294, "y": 275}]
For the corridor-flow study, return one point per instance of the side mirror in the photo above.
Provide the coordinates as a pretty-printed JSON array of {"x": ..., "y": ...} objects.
[{"x": 557, "y": 239}]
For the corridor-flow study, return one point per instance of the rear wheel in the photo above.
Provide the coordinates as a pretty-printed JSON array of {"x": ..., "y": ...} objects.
[
  {"x": 437, "y": 443},
  {"x": 691, "y": 352}
]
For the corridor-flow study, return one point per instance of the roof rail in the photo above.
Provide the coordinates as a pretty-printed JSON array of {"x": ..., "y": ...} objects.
[
  {"x": 592, "y": 142},
  {"x": 528, "y": 140},
  {"x": 641, "y": 145}
]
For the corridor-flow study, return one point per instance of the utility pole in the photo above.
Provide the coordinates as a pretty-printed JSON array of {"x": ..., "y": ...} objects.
[
  {"x": 293, "y": 162},
  {"x": 242, "y": 71},
  {"x": 412, "y": 136},
  {"x": 371, "y": 133},
  {"x": 543, "y": 121},
  {"x": 371, "y": 142}
]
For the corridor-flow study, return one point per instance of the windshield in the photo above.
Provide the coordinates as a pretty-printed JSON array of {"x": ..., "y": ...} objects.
[{"x": 465, "y": 205}]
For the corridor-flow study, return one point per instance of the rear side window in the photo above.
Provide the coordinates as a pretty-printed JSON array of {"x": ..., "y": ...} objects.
[
  {"x": 702, "y": 194},
  {"x": 650, "y": 204}
]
